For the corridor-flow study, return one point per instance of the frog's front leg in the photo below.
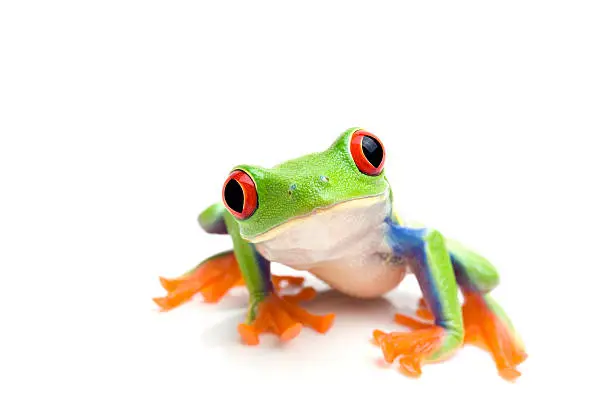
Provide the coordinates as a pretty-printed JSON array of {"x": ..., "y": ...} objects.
[
  {"x": 214, "y": 276},
  {"x": 269, "y": 311},
  {"x": 430, "y": 261}
]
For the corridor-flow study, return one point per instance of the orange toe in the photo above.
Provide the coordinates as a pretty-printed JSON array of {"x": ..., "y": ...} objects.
[
  {"x": 304, "y": 295},
  {"x": 319, "y": 323},
  {"x": 377, "y": 336},
  {"x": 509, "y": 373},
  {"x": 325, "y": 323},
  {"x": 425, "y": 314},
  {"x": 411, "y": 322},
  {"x": 410, "y": 366},
  {"x": 169, "y": 284},
  {"x": 173, "y": 299},
  {"x": 422, "y": 304},
  {"x": 163, "y": 303},
  {"x": 291, "y": 332},
  {"x": 248, "y": 334},
  {"x": 423, "y": 310}
]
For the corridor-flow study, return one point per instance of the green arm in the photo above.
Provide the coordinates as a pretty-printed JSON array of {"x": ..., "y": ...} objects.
[
  {"x": 212, "y": 219},
  {"x": 255, "y": 268},
  {"x": 426, "y": 251}
]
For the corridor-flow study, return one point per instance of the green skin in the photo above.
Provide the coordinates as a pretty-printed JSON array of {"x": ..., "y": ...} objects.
[{"x": 445, "y": 268}]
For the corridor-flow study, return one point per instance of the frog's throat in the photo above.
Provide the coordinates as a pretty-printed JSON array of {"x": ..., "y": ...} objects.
[{"x": 337, "y": 207}]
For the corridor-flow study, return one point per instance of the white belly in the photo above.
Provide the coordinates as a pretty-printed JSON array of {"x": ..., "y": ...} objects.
[
  {"x": 364, "y": 278},
  {"x": 342, "y": 245}
]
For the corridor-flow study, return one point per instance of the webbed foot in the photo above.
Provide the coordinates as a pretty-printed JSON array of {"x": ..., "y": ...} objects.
[
  {"x": 282, "y": 316},
  {"x": 487, "y": 327},
  {"x": 213, "y": 278},
  {"x": 428, "y": 343}
]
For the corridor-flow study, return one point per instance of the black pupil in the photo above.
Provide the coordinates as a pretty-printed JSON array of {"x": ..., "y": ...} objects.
[
  {"x": 234, "y": 197},
  {"x": 372, "y": 150}
]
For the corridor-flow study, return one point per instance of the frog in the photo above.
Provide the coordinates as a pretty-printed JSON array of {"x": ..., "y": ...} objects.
[{"x": 332, "y": 215}]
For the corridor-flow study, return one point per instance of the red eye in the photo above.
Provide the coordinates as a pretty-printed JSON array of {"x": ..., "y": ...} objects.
[
  {"x": 240, "y": 194},
  {"x": 368, "y": 153}
]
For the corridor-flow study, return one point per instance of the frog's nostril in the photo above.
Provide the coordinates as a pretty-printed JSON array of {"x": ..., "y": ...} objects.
[
  {"x": 324, "y": 179},
  {"x": 292, "y": 189}
]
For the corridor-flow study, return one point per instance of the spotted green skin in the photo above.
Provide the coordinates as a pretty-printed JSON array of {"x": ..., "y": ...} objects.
[{"x": 299, "y": 186}]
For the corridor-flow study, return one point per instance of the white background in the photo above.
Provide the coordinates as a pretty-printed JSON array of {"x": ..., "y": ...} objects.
[{"x": 119, "y": 121}]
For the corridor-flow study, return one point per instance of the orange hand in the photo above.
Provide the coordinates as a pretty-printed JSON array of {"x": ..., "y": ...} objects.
[
  {"x": 283, "y": 317},
  {"x": 412, "y": 348}
]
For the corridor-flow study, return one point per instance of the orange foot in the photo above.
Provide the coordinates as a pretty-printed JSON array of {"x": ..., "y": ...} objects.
[
  {"x": 282, "y": 316},
  {"x": 413, "y": 348},
  {"x": 493, "y": 333},
  {"x": 213, "y": 278}
]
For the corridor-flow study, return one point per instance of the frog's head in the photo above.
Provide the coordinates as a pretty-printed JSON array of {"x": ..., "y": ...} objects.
[{"x": 347, "y": 174}]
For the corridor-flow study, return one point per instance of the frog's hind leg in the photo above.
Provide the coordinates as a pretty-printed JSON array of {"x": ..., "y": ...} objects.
[
  {"x": 488, "y": 327},
  {"x": 486, "y": 324},
  {"x": 216, "y": 275},
  {"x": 213, "y": 278}
]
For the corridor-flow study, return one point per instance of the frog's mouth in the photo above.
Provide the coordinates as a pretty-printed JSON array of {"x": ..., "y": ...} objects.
[{"x": 345, "y": 212}]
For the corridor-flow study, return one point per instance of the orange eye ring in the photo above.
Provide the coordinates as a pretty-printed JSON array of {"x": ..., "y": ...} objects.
[
  {"x": 368, "y": 153},
  {"x": 240, "y": 194}
]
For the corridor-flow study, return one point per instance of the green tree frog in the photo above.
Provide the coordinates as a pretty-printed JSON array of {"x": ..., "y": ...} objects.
[{"x": 332, "y": 213}]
